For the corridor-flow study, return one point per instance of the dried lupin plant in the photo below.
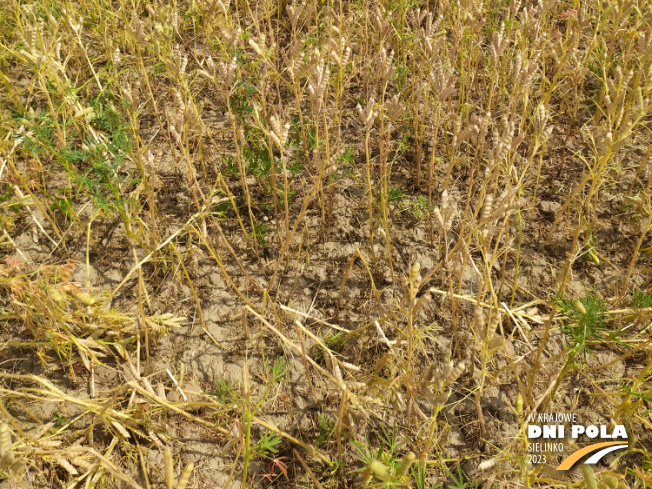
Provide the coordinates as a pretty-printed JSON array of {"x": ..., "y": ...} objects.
[
  {"x": 504, "y": 142},
  {"x": 138, "y": 29},
  {"x": 486, "y": 332},
  {"x": 380, "y": 22},
  {"x": 279, "y": 133},
  {"x": 326, "y": 165},
  {"x": 385, "y": 67},
  {"x": 430, "y": 43},
  {"x": 479, "y": 128},
  {"x": 436, "y": 52},
  {"x": 415, "y": 17},
  {"x": 294, "y": 63},
  {"x": 498, "y": 43},
  {"x": 395, "y": 109},
  {"x": 531, "y": 24},
  {"x": 317, "y": 84},
  {"x": 336, "y": 45},
  {"x": 441, "y": 82},
  {"x": 445, "y": 213},
  {"x": 438, "y": 382},
  {"x": 368, "y": 114},
  {"x": 260, "y": 46},
  {"x": 232, "y": 36},
  {"x": 294, "y": 12},
  {"x": 33, "y": 34},
  {"x": 177, "y": 118},
  {"x": 227, "y": 72},
  {"x": 523, "y": 72}
]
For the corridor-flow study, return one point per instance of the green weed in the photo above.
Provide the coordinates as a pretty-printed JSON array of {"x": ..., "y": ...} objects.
[
  {"x": 272, "y": 373},
  {"x": 584, "y": 321},
  {"x": 267, "y": 446},
  {"x": 224, "y": 390},
  {"x": 325, "y": 429},
  {"x": 641, "y": 299}
]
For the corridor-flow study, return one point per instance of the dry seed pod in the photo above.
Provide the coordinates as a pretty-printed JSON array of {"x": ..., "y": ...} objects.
[
  {"x": 232, "y": 36},
  {"x": 416, "y": 17},
  {"x": 447, "y": 369},
  {"x": 439, "y": 218},
  {"x": 432, "y": 371},
  {"x": 185, "y": 476},
  {"x": 395, "y": 108},
  {"x": 337, "y": 373},
  {"x": 6, "y": 447},
  {"x": 83, "y": 463},
  {"x": 317, "y": 84},
  {"x": 350, "y": 366},
  {"x": 227, "y": 72},
  {"x": 547, "y": 132},
  {"x": 505, "y": 210},
  {"x": 497, "y": 44},
  {"x": 279, "y": 133},
  {"x": 351, "y": 424},
  {"x": 457, "y": 125},
  {"x": 618, "y": 74},
  {"x": 541, "y": 117},
  {"x": 367, "y": 115},
  {"x": 357, "y": 386},
  {"x": 430, "y": 27},
  {"x": 116, "y": 57},
  {"x": 478, "y": 321},
  {"x": 441, "y": 82},
  {"x": 175, "y": 134},
  {"x": 518, "y": 59},
  {"x": 169, "y": 467},
  {"x": 455, "y": 373},
  {"x": 346, "y": 56},
  {"x": 49, "y": 443},
  {"x": 486, "y": 210},
  {"x": 121, "y": 429},
  {"x": 430, "y": 396},
  {"x": 385, "y": 66},
  {"x": 441, "y": 399},
  {"x": 447, "y": 210},
  {"x": 67, "y": 465},
  {"x": 380, "y": 22}
]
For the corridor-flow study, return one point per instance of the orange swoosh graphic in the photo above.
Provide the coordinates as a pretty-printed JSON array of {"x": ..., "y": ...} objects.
[{"x": 575, "y": 456}]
